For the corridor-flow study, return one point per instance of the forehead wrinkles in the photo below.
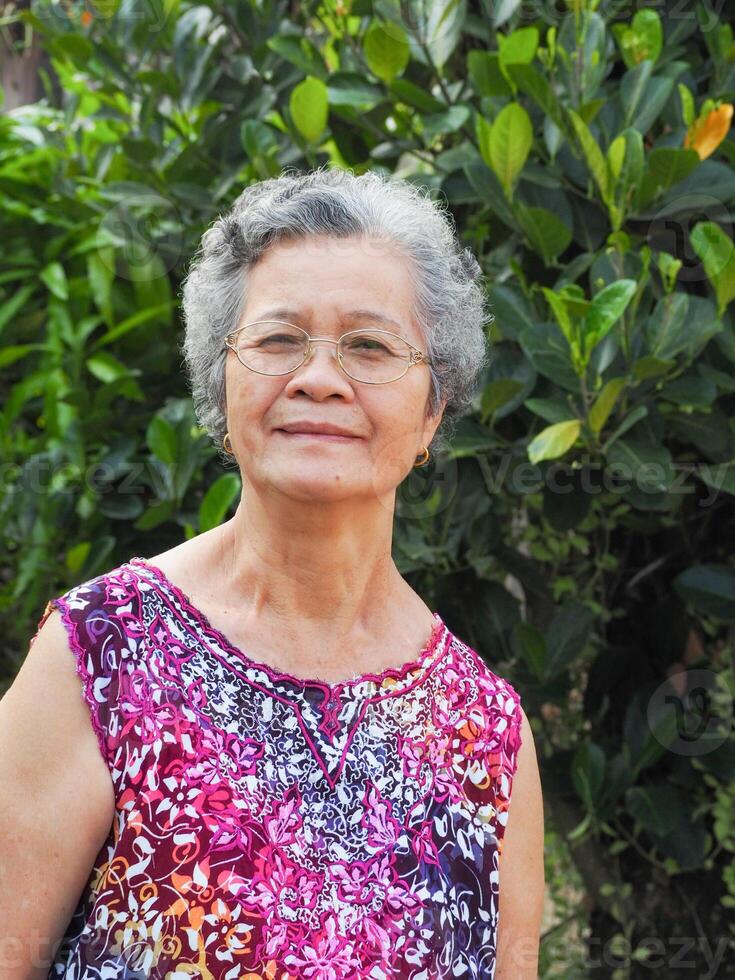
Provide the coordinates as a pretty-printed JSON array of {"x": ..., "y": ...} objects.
[{"x": 295, "y": 315}]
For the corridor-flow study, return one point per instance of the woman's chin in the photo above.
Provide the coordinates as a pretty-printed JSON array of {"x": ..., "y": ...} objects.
[{"x": 308, "y": 480}]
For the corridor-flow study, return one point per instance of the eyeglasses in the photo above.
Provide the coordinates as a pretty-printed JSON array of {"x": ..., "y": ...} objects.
[{"x": 367, "y": 355}]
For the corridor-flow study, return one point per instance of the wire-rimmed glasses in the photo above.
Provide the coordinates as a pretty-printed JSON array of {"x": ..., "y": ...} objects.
[{"x": 368, "y": 355}]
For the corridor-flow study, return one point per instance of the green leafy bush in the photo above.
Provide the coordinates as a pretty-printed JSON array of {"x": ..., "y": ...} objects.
[{"x": 579, "y": 531}]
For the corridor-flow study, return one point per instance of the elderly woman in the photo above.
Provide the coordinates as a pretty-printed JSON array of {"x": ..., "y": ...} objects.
[{"x": 294, "y": 769}]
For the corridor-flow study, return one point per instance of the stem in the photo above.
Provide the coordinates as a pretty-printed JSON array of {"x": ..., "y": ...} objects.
[{"x": 650, "y": 858}]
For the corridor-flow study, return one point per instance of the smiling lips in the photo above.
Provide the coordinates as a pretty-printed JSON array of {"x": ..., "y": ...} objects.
[{"x": 314, "y": 430}]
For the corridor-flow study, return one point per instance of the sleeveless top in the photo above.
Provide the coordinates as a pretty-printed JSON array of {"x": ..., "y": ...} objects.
[{"x": 273, "y": 827}]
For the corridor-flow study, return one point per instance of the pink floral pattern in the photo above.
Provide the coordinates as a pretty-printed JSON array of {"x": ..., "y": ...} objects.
[{"x": 273, "y": 827}]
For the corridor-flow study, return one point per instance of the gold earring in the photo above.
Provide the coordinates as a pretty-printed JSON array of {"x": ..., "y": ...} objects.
[
  {"x": 424, "y": 459},
  {"x": 224, "y": 443}
]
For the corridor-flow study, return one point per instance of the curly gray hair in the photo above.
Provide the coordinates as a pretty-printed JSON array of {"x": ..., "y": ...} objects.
[{"x": 450, "y": 303}]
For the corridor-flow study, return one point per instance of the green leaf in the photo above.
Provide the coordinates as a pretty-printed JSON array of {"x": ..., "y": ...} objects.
[
  {"x": 708, "y": 431},
  {"x": 162, "y": 440},
  {"x": 74, "y": 46},
  {"x": 559, "y": 308},
  {"x": 11, "y": 306},
  {"x": 654, "y": 807},
  {"x": 588, "y": 772},
  {"x": 106, "y": 368},
  {"x": 688, "y": 112},
  {"x": 709, "y": 588},
  {"x": 645, "y": 465},
  {"x": 632, "y": 90},
  {"x": 548, "y": 350},
  {"x": 537, "y": 87},
  {"x": 387, "y": 50},
  {"x": 439, "y": 23},
  {"x": 642, "y": 40},
  {"x": 134, "y": 321},
  {"x": 605, "y": 310},
  {"x": 100, "y": 271},
  {"x": 668, "y": 329},
  {"x": 309, "y": 106},
  {"x": 508, "y": 364},
  {"x": 553, "y": 441},
  {"x": 578, "y": 832},
  {"x": 156, "y": 515},
  {"x": 631, "y": 419},
  {"x": 650, "y": 366},
  {"x": 485, "y": 74},
  {"x": 588, "y": 110},
  {"x": 567, "y": 636},
  {"x": 666, "y": 166},
  {"x": 616, "y": 156},
  {"x": 546, "y": 232},
  {"x": 518, "y": 47},
  {"x": 532, "y": 646},
  {"x": 592, "y": 153},
  {"x": 649, "y": 34},
  {"x": 719, "y": 477},
  {"x": 655, "y": 98},
  {"x": 512, "y": 311},
  {"x": 717, "y": 252},
  {"x": 449, "y": 121},
  {"x": 497, "y": 394},
  {"x": 9, "y": 355},
  {"x": 548, "y": 409},
  {"x": 484, "y": 182},
  {"x": 352, "y": 90},
  {"x": 257, "y": 139},
  {"x": 414, "y": 95},
  {"x": 604, "y": 403},
  {"x": 54, "y": 277},
  {"x": 690, "y": 392},
  {"x": 217, "y": 501},
  {"x": 633, "y": 161},
  {"x": 582, "y": 60},
  {"x": 298, "y": 50},
  {"x": 509, "y": 143},
  {"x": 470, "y": 438}
]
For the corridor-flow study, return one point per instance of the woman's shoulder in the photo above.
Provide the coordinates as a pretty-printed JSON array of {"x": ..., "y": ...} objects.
[
  {"x": 489, "y": 706},
  {"x": 188, "y": 564}
]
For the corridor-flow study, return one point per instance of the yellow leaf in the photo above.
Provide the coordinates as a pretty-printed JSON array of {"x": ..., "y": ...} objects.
[
  {"x": 604, "y": 404},
  {"x": 708, "y": 131},
  {"x": 553, "y": 441}
]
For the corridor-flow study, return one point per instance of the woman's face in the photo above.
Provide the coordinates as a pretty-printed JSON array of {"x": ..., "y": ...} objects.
[{"x": 316, "y": 283}]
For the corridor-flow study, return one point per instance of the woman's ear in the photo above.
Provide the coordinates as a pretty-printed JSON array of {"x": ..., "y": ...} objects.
[{"x": 433, "y": 422}]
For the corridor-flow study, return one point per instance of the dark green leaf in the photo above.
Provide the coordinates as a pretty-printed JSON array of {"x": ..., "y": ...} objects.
[
  {"x": 709, "y": 588},
  {"x": 546, "y": 233},
  {"x": 567, "y": 636}
]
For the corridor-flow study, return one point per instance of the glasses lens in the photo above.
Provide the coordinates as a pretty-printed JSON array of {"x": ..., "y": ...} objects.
[
  {"x": 270, "y": 347},
  {"x": 373, "y": 356}
]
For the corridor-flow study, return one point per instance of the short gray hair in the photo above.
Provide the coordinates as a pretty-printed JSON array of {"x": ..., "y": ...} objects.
[{"x": 451, "y": 305}]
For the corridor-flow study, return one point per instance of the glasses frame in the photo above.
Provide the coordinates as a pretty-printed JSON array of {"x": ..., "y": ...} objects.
[{"x": 417, "y": 356}]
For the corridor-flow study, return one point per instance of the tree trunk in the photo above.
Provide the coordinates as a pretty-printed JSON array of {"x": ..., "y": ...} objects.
[{"x": 19, "y": 62}]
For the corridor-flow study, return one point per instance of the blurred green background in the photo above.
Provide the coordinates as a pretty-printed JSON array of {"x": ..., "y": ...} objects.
[{"x": 579, "y": 532}]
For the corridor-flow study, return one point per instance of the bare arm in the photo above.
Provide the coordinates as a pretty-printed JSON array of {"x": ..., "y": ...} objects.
[
  {"x": 56, "y": 804},
  {"x": 521, "y": 869}
]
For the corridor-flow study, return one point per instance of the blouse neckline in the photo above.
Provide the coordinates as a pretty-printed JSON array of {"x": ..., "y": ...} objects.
[{"x": 387, "y": 678}]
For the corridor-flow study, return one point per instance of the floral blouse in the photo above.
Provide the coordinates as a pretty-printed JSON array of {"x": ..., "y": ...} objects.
[{"x": 268, "y": 826}]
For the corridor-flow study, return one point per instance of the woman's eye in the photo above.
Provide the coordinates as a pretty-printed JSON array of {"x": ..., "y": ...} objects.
[
  {"x": 278, "y": 338},
  {"x": 367, "y": 343}
]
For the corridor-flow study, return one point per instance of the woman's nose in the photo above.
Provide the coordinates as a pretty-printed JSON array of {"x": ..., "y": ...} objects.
[
  {"x": 329, "y": 351},
  {"x": 314, "y": 372}
]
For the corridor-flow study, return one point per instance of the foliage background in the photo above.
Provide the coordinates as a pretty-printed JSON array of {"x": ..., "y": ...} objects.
[{"x": 579, "y": 531}]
